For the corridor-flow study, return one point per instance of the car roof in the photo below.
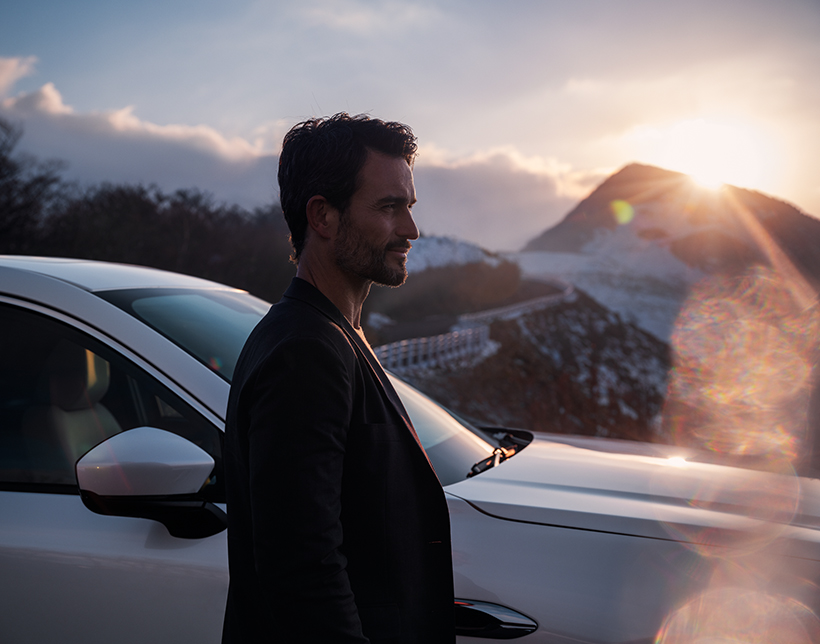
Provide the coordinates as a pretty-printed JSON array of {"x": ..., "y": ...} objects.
[{"x": 102, "y": 276}]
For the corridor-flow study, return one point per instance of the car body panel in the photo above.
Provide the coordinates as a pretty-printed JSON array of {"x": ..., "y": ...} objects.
[
  {"x": 656, "y": 497},
  {"x": 579, "y": 585},
  {"x": 88, "y": 276},
  {"x": 76, "y": 576}
]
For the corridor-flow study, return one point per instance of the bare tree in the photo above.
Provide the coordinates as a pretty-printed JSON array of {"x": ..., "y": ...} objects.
[{"x": 27, "y": 188}]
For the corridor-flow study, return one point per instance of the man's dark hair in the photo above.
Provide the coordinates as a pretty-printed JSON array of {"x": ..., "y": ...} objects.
[{"x": 323, "y": 156}]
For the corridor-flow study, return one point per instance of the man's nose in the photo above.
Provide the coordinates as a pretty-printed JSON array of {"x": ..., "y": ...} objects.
[{"x": 408, "y": 228}]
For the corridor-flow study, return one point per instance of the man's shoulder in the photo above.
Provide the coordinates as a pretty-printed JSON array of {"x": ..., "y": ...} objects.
[
  {"x": 304, "y": 327},
  {"x": 293, "y": 321},
  {"x": 295, "y": 327}
]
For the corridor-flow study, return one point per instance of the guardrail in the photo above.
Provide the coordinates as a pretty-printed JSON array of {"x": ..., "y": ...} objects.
[
  {"x": 434, "y": 351},
  {"x": 514, "y": 310},
  {"x": 469, "y": 339}
]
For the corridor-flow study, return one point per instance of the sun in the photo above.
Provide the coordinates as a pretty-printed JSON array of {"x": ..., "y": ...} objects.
[{"x": 712, "y": 151}]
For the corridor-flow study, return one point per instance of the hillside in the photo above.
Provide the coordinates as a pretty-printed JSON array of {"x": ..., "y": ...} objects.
[
  {"x": 446, "y": 277},
  {"x": 573, "y": 368}
]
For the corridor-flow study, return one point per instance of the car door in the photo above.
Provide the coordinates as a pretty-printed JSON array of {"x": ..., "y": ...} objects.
[{"x": 66, "y": 573}]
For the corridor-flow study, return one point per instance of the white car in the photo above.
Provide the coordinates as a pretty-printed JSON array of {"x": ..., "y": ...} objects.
[{"x": 115, "y": 381}]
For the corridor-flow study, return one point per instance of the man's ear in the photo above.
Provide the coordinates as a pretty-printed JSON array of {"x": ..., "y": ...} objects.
[{"x": 322, "y": 218}]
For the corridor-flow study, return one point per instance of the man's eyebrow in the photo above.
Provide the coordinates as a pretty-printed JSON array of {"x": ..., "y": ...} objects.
[{"x": 395, "y": 199}]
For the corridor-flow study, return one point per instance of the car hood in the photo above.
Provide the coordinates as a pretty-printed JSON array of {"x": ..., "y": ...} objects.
[{"x": 641, "y": 495}]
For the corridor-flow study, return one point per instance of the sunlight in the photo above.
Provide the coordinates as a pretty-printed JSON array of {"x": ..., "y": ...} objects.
[{"x": 713, "y": 152}]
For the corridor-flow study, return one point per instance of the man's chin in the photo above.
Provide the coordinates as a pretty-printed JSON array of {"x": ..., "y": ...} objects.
[
  {"x": 389, "y": 276},
  {"x": 393, "y": 280}
]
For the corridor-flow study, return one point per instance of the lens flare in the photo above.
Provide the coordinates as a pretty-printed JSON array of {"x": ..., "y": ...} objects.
[
  {"x": 742, "y": 617},
  {"x": 743, "y": 353},
  {"x": 622, "y": 211},
  {"x": 740, "y": 389},
  {"x": 742, "y": 369}
]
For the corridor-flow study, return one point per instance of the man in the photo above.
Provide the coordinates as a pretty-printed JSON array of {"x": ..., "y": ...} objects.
[{"x": 338, "y": 527}]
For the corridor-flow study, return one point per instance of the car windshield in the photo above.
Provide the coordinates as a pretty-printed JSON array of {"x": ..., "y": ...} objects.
[{"x": 213, "y": 324}]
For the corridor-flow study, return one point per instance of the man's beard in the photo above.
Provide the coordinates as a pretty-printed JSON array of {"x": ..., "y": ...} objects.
[{"x": 354, "y": 254}]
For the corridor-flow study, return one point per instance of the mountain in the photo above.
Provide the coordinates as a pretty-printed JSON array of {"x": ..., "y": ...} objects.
[
  {"x": 646, "y": 235},
  {"x": 702, "y": 227}
]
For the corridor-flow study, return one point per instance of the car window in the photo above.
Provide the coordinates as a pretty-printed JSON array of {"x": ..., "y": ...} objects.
[
  {"x": 62, "y": 392},
  {"x": 211, "y": 325}
]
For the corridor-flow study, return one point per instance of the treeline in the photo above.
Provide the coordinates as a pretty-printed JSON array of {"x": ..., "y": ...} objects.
[{"x": 186, "y": 231}]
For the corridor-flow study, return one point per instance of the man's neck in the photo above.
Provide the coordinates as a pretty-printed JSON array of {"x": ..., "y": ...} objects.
[{"x": 347, "y": 292}]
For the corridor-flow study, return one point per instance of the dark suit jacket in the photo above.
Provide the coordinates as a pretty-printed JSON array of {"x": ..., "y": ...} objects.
[{"x": 338, "y": 529}]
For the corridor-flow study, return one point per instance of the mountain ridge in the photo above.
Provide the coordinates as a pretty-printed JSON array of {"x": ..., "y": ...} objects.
[
  {"x": 706, "y": 229},
  {"x": 645, "y": 236}
]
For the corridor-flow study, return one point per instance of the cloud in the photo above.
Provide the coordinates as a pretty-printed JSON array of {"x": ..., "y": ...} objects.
[
  {"x": 12, "y": 70},
  {"x": 47, "y": 103},
  {"x": 498, "y": 199},
  {"x": 119, "y": 147},
  {"x": 46, "y": 100}
]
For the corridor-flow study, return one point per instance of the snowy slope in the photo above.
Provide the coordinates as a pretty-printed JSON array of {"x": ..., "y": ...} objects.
[
  {"x": 641, "y": 280},
  {"x": 572, "y": 367},
  {"x": 435, "y": 252}
]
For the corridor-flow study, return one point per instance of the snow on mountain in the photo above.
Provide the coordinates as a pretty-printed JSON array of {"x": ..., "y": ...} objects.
[{"x": 435, "y": 252}]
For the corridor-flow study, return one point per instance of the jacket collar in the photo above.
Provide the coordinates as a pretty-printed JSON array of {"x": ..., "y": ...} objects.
[{"x": 304, "y": 291}]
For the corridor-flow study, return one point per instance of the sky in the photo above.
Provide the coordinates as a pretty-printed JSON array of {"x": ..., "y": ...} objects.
[{"x": 521, "y": 107}]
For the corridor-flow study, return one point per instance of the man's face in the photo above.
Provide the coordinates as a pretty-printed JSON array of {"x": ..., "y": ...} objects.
[{"x": 375, "y": 231}]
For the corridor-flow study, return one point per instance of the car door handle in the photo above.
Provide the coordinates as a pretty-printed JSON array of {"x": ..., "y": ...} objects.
[{"x": 487, "y": 620}]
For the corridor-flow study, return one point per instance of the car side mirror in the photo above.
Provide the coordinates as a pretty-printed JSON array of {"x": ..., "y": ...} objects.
[{"x": 151, "y": 473}]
